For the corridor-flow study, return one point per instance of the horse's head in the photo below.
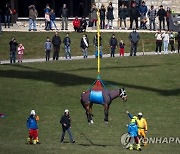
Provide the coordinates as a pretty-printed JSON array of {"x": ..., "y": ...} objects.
[{"x": 122, "y": 94}]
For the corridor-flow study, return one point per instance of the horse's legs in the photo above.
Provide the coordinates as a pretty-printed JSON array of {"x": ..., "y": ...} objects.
[
  {"x": 106, "y": 111},
  {"x": 88, "y": 112}
]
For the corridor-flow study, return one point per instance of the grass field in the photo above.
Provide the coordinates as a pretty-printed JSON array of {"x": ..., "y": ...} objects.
[
  {"x": 34, "y": 43},
  {"x": 152, "y": 84}
]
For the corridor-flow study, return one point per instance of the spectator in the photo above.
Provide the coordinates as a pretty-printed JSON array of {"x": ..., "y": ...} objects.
[
  {"x": 134, "y": 38},
  {"x": 133, "y": 13},
  {"x": 178, "y": 39},
  {"x": 66, "y": 126},
  {"x": 20, "y": 53},
  {"x": 83, "y": 24},
  {"x": 13, "y": 48},
  {"x": 161, "y": 14},
  {"x": 121, "y": 48},
  {"x": 47, "y": 11},
  {"x": 67, "y": 43},
  {"x": 48, "y": 21},
  {"x": 172, "y": 41},
  {"x": 76, "y": 24},
  {"x": 56, "y": 41},
  {"x": 53, "y": 18},
  {"x": 7, "y": 15},
  {"x": 95, "y": 42},
  {"x": 110, "y": 16},
  {"x": 102, "y": 16},
  {"x": 113, "y": 44},
  {"x": 142, "y": 11},
  {"x": 64, "y": 14},
  {"x": 84, "y": 44},
  {"x": 0, "y": 21},
  {"x": 165, "y": 36},
  {"x": 32, "y": 17},
  {"x": 168, "y": 14},
  {"x": 159, "y": 39},
  {"x": 138, "y": 3},
  {"x": 93, "y": 16},
  {"x": 47, "y": 47},
  {"x": 152, "y": 17},
  {"x": 123, "y": 12}
]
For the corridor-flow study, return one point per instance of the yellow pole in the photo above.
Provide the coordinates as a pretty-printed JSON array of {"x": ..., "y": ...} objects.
[{"x": 98, "y": 35}]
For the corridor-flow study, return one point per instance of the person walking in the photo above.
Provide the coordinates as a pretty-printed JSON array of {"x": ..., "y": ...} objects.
[
  {"x": 67, "y": 49},
  {"x": 159, "y": 39},
  {"x": 47, "y": 47},
  {"x": 64, "y": 13},
  {"x": 56, "y": 41},
  {"x": 65, "y": 121},
  {"x": 110, "y": 16},
  {"x": 84, "y": 44},
  {"x": 152, "y": 17},
  {"x": 13, "y": 48},
  {"x": 102, "y": 16},
  {"x": 32, "y": 18},
  {"x": 165, "y": 36},
  {"x": 113, "y": 44},
  {"x": 161, "y": 14},
  {"x": 134, "y": 38}
]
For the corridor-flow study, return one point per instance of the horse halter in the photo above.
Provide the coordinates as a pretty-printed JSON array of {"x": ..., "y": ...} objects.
[{"x": 122, "y": 94}]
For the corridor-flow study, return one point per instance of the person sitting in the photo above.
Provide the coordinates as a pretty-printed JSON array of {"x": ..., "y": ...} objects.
[
  {"x": 83, "y": 24},
  {"x": 76, "y": 24}
]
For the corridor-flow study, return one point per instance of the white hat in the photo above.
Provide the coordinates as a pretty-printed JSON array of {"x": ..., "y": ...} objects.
[
  {"x": 33, "y": 112},
  {"x": 67, "y": 111},
  {"x": 140, "y": 114}
]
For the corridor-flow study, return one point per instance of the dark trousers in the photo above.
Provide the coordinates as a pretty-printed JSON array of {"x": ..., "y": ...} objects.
[
  {"x": 158, "y": 46},
  {"x": 48, "y": 25},
  {"x": 69, "y": 132},
  {"x": 7, "y": 19},
  {"x": 150, "y": 24},
  {"x": 168, "y": 24},
  {"x": 172, "y": 45},
  {"x": 13, "y": 56},
  {"x": 48, "y": 55},
  {"x": 161, "y": 21},
  {"x": 178, "y": 46},
  {"x": 134, "y": 19},
  {"x": 102, "y": 23},
  {"x": 122, "y": 20},
  {"x": 56, "y": 53},
  {"x": 133, "y": 49},
  {"x": 113, "y": 48}
]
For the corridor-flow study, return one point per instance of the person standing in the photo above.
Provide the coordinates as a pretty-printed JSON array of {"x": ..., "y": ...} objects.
[
  {"x": 20, "y": 52},
  {"x": 172, "y": 41},
  {"x": 53, "y": 18},
  {"x": 133, "y": 13},
  {"x": 142, "y": 11},
  {"x": 94, "y": 16},
  {"x": 47, "y": 21},
  {"x": 84, "y": 44},
  {"x": 178, "y": 39},
  {"x": 121, "y": 48},
  {"x": 47, "y": 11},
  {"x": 64, "y": 15},
  {"x": 122, "y": 15},
  {"x": 152, "y": 17},
  {"x": 0, "y": 21},
  {"x": 47, "y": 47},
  {"x": 95, "y": 43},
  {"x": 32, "y": 18},
  {"x": 161, "y": 14},
  {"x": 165, "y": 36},
  {"x": 168, "y": 14},
  {"x": 7, "y": 15},
  {"x": 13, "y": 48},
  {"x": 113, "y": 44},
  {"x": 102, "y": 12},
  {"x": 110, "y": 16},
  {"x": 65, "y": 121},
  {"x": 134, "y": 38},
  {"x": 56, "y": 41},
  {"x": 159, "y": 39},
  {"x": 67, "y": 43}
]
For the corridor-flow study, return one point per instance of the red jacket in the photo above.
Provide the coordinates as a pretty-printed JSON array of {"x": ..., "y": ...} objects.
[{"x": 76, "y": 23}]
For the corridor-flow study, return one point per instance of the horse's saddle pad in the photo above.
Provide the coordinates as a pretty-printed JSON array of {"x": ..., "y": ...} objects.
[{"x": 96, "y": 97}]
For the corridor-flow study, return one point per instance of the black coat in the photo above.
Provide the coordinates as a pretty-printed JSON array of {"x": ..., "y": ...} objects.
[
  {"x": 102, "y": 13},
  {"x": 82, "y": 43},
  {"x": 134, "y": 12},
  {"x": 110, "y": 15},
  {"x": 161, "y": 13},
  {"x": 95, "y": 41},
  {"x": 65, "y": 120},
  {"x": 123, "y": 13},
  {"x": 13, "y": 45},
  {"x": 134, "y": 37},
  {"x": 113, "y": 42},
  {"x": 56, "y": 41}
]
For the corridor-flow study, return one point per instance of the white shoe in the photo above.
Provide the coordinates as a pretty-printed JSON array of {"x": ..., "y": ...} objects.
[
  {"x": 174, "y": 51},
  {"x": 171, "y": 52},
  {"x": 120, "y": 28},
  {"x": 112, "y": 27},
  {"x": 126, "y": 28},
  {"x": 160, "y": 53},
  {"x": 155, "y": 53}
]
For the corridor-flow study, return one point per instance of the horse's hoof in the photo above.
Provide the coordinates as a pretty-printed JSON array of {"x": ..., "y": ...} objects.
[
  {"x": 106, "y": 122},
  {"x": 92, "y": 122}
]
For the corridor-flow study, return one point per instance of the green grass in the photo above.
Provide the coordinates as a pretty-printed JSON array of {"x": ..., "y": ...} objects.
[
  {"x": 34, "y": 43},
  {"x": 152, "y": 84}
]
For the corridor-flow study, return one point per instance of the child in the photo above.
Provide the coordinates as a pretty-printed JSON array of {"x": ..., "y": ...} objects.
[
  {"x": 47, "y": 47},
  {"x": 33, "y": 128},
  {"x": 20, "y": 53},
  {"x": 121, "y": 48}
]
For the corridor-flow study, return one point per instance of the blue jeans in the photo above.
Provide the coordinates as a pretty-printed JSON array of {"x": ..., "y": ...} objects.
[
  {"x": 69, "y": 132},
  {"x": 32, "y": 23},
  {"x": 13, "y": 56},
  {"x": 0, "y": 27},
  {"x": 113, "y": 48},
  {"x": 53, "y": 23},
  {"x": 67, "y": 51},
  {"x": 165, "y": 43},
  {"x": 85, "y": 52},
  {"x": 7, "y": 20}
]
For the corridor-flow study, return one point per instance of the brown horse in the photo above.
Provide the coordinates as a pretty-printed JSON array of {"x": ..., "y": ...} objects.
[{"x": 108, "y": 97}]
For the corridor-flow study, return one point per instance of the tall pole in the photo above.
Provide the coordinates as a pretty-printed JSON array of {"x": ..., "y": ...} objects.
[{"x": 98, "y": 35}]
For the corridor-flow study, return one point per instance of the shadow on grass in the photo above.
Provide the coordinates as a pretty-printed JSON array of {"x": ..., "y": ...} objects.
[{"x": 67, "y": 79}]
